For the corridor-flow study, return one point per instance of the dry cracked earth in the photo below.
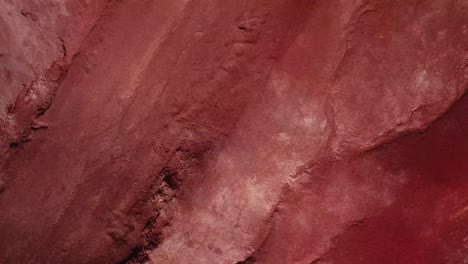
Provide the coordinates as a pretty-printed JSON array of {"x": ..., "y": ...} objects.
[{"x": 234, "y": 131}]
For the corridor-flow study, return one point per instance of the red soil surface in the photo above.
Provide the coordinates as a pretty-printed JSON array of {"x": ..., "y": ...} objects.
[{"x": 237, "y": 131}]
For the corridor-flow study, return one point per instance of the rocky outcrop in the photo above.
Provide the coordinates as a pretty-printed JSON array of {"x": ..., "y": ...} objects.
[
  {"x": 38, "y": 42},
  {"x": 236, "y": 132}
]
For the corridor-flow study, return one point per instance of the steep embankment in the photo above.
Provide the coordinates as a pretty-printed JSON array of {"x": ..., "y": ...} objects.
[{"x": 240, "y": 132}]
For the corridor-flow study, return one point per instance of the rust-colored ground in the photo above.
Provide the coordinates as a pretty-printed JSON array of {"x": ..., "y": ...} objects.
[{"x": 236, "y": 131}]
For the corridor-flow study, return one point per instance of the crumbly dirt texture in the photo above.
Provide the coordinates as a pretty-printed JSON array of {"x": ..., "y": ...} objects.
[{"x": 234, "y": 131}]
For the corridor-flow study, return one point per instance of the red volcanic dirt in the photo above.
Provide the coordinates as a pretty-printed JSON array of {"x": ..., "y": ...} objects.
[
  {"x": 423, "y": 221},
  {"x": 237, "y": 131}
]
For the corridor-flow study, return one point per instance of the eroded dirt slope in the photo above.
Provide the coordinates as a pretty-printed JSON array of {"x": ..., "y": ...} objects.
[{"x": 200, "y": 131}]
